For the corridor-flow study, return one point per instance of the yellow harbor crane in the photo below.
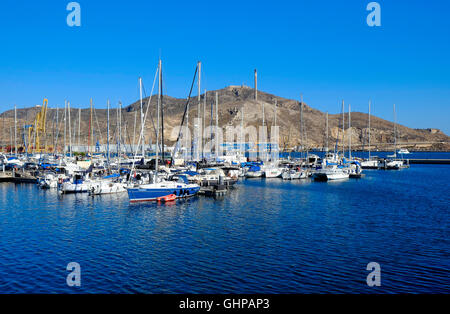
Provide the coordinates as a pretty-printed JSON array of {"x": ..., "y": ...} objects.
[{"x": 37, "y": 130}]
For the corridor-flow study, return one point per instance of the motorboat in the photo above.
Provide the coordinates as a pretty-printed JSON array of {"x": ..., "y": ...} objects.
[
  {"x": 370, "y": 164},
  {"x": 294, "y": 174},
  {"x": 403, "y": 151},
  {"x": 331, "y": 173}
]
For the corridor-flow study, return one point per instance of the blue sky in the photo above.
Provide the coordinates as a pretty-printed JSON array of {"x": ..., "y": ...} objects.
[{"x": 322, "y": 49}]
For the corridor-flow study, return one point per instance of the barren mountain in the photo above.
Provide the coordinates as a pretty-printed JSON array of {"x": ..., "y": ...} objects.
[{"x": 232, "y": 100}]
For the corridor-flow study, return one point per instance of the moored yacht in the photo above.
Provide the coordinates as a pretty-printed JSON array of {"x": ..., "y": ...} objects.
[
  {"x": 403, "y": 151},
  {"x": 370, "y": 164},
  {"x": 331, "y": 173},
  {"x": 108, "y": 185},
  {"x": 153, "y": 191},
  {"x": 77, "y": 184}
]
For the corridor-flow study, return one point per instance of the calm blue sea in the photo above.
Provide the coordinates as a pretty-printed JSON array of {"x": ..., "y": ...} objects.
[{"x": 265, "y": 236}]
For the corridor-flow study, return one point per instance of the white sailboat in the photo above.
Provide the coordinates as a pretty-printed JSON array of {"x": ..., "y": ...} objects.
[
  {"x": 331, "y": 173},
  {"x": 160, "y": 189},
  {"x": 294, "y": 174},
  {"x": 394, "y": 163},
  {"x": 108, "y": 185}
]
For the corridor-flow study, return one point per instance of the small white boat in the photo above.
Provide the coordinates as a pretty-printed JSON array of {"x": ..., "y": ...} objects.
[
  {"x": 254, "y": 172},
  {"x": 77, "y": 184},
  {"x": 394, "y": 164},
  {"x": 106, "y": 186},
  {"x": 331, "y": 174},
  {"x": 370, "y": 164},
  {"x": 49, "y": 181},
  {"x": 292, "y": 174},
  {"x": 404, "y": 151},
  {"x": 273, "y": 172}
]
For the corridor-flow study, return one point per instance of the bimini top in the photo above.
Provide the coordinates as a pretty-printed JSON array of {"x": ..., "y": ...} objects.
[
  {"x": 114, "y": 175},
  {"x": 254, "y": 168}
]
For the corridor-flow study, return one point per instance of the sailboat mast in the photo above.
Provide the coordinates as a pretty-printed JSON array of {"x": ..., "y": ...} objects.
[
  {"x": 107, "y": 132},
  {"x": 120, "y": 131},
  {"x": 350, "y": 133},
  {"x": 197, "y": 151},
  {"x": 57, "y": 131},
  {"x": 11, "y": 139},
  {"x": 65, "y": 128},
  {"x": 217, "y": 125},
  {"x": 134, "y": 133},
  {"x": 242, "y": 131},
  {"x": 15, "y": 129},
  {"x": 301, "y": 123},
  {"x": 211, "y": 120},
  {"x": 161, "y": 104},
  {"x": 157, "y": 120},
  {"x": 203, "y": 125},
  {"x": 274, "y": 126},
  {"x": 343, "y": 128},
  {"x": 395, "y": 133},
  {"x": 369, "y": 128},
  {"x": 90, "y": 127},
  {"x": 326, "y": 131},
  {"x": 79, "y": 128},
  {"x": 70, "y": 130},
  {"x": 142, "y": 117},
  {"x": 188, "y": 148},
  {"x": 264, "y": 138}
]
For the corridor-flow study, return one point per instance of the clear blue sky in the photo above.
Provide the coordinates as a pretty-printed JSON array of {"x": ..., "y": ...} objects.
[{"x": 323, "y": 49}]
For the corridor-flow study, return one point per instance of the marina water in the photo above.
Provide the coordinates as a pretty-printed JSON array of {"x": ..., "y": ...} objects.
[{"x": 265, "y": 236}]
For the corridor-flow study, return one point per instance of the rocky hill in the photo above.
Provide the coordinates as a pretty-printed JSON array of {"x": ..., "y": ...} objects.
[{"x": 232, "y": 100}]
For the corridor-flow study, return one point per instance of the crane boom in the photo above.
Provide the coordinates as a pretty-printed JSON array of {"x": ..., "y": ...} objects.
[{"x": 38, "y": 128}]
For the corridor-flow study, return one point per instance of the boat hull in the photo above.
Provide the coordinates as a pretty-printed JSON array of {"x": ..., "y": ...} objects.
[
  {"x": 71, "y": 188},
  {"x": 273, "y": 173},
  {"x": 152, "y": 194},
  {"x": 330, "y": 176},
  {"x": 254, "y": 174},
  {"x": 107, "y": 188}
]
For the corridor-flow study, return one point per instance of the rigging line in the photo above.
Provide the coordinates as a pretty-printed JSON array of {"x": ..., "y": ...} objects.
[
  {"x": 127, "y": 134},
  {"x": 145, "y": 117},
  {"x": 337, "y": 137},
  {"x": 185, "y": 110},
  {"x": 162, "y": 116},
  {"x": 148, "y": 104},
  {"x": 98, "y": 126},
  {"x": 57, "y": 132}
]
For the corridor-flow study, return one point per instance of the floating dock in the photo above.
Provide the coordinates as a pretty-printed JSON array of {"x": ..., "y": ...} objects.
[
  {"x": 6, "y": 176},
  {"x": 430, "y": 161},
  {"x": 17, "y": 177}
]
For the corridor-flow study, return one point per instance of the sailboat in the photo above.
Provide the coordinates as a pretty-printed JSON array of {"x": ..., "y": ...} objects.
[
  {"x": 370, "y": 163},
  {"x": 331, "y": 169},
  {"x": 160, "y": 188},
  {"x": 272, "y": 169},
  {"x": 353, "y": 167},
  {"x": 394, "y": 164},
  {"x": 108, "y": 185},
  {"x": 294, "y": 174}
]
